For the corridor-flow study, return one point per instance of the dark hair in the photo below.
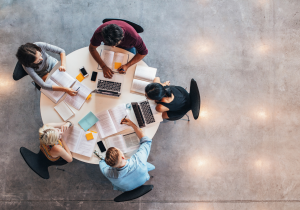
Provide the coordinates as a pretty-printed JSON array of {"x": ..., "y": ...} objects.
[
  {"x": 112, "y": 156},
  {"x": 26, "y": 55},
  {"x": 112, "y": 34},
  {"x": 156, "y": 91}
]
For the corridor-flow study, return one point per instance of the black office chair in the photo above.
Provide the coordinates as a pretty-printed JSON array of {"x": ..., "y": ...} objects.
[
  {"x": 19, "y": 73},
  {"x": 39, "y": 163},
  {"x": 195, "y": 102},
  {"x": 137, "y": 27},
  {"x": 134, "y": 194}
]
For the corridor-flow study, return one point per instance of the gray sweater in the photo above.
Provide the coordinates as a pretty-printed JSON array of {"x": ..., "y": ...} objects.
[{"x": 34, "y": 73}]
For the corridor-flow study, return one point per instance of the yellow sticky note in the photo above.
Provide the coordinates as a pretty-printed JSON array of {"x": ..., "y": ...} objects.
[
  {"x": 117, "y": 65},
  {"x": 89, "y": 136},
  {"x": 89, "y": 96},
  {"x": 80, "y": 77}
]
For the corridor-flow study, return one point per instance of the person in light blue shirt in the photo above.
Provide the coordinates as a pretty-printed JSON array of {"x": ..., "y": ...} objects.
[{"x": 126, "y": 175}]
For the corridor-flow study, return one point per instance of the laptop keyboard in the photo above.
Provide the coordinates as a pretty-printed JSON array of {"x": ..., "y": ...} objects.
[
  {"x": 147, "y": 112},
  {"x": 138, "y": 114},
  {"x": 108, "y": 85}
]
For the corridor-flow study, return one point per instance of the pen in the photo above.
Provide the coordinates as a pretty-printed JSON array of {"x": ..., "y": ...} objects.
[
  {"x": 124, "y": 118},
  {"x": 77, "y": 88}
]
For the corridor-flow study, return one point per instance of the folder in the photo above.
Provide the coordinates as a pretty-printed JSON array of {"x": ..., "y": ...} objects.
[{"x": 88, "y": 121}]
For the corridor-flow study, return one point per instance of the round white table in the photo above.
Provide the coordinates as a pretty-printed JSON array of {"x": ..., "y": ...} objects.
[{"x": 97, "y": 102}]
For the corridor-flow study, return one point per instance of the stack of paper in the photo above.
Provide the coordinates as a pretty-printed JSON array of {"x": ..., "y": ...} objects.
[{"x": 64, "y": 110}]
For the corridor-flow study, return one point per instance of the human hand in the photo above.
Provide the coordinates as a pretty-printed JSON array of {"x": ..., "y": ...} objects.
[
  {"x": 123, "y": 69},
  {"x": 166, "y": 83},
  {"x": 107, "y": 72},
  {"x": 62, "y": 68},
  {"x": 71, "y": 92},
  {"x": 127, "y": 122},
  {"x": 65, "y": 127}
]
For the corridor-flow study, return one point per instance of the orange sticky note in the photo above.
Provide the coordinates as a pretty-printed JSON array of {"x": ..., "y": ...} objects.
[
  {"x": 117, "y": 65},
  {"x": 89, "y": 96},
  {"x": 80, "y": 77},
  {"x": 89, "y": 136}
]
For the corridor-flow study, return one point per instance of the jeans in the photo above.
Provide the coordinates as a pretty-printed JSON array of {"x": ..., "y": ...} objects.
[{"x": 132, "y": 50}]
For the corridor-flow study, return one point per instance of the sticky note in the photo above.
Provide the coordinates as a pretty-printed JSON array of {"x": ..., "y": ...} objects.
[
  {"x": 80, "y": 77},
  {"x": 92, "y": 131},
  {"x": 117, "y": 65},
  {"x": 89, "y": 136},
  {"x": 89, "y": 96}
]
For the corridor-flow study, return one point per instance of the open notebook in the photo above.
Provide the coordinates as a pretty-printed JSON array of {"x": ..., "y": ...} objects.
[
  {"x": 64, "y": 110},
  {"x": 109, "y": 121},
  {"x": 77, "y": 142},
  {"x": 58, "y": 78},
  {"x": 113, "y": 60},
  {"x": 78, "y": 100},
  {"x": 142, "y": 77},
  {"x": 126, "y": 143}
]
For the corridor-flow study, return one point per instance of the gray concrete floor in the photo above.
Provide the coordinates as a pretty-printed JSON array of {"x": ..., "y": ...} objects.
[{"x": 242, "y": 153}]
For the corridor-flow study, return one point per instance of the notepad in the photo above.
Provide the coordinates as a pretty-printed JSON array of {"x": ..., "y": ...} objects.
[
  {"x": 58, "y": 78},
  {"x": 77, "y": 142},
  {"x": 80, "y": 77},
  {"x": 110, "y": 121},
  {"x": 88, "y": 121},
  {"x": 113, "y": 60},
  {"x": 142, "y": 77},
  {"x": 78, "y": 100},
  {"x": 64, "y": 110}
]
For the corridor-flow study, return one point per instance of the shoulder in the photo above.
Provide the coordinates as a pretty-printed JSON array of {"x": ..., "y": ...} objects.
[
  {"x": 57, "y": 148},
  {"x": 40, "y": 44}
]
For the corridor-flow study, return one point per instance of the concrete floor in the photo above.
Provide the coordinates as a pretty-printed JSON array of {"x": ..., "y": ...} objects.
[{"x": 243, "y": 151}]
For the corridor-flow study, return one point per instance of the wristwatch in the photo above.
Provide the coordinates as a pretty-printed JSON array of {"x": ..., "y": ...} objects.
[{"x": 70, "y": 123}]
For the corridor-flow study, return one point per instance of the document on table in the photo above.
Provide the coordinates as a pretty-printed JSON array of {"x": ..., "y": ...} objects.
[
  {"x": 77, "y": 142},
  {"x": 78, "y": 100}
]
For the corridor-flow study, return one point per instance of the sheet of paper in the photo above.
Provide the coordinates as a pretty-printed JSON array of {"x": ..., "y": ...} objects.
[
  {"x": 64, "y": 110},
  {"x": 105, "y": 126},
  {"x": 117, "y": 114},
  {"x": 53, "y": 95},
  {"x": 118, "y": 60},
  {"x": 139, "y": 86},
  {"x": 132, "y": 142},
  {"x": 62, "y": 78},
  {"x": 107, "y": 57},
  {"x": 78, "y": 100},
  {"x": 85, "y": 147},
  {"x": 71, "y": 137},
  {"x": 145, "y": 73},
  {"x": 116, "y": 141}
]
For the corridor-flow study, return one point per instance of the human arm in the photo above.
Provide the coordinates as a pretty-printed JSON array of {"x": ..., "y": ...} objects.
[
  {"x": 64, "y": 153},
  {"x": 138, "y": 132},
  {"x": 157, "y": 80},
  {"x": 144, "y": 150},
  {"x": 104, "y": 167},
  {"x": 107, "y": 72},
  {"x": 63, "y": 125},
  {"x": 122, "y": 69},
  {"x": 63, "y": 62}
]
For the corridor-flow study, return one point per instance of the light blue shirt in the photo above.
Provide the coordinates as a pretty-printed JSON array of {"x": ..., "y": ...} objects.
[{"x": 134, "y": 173}]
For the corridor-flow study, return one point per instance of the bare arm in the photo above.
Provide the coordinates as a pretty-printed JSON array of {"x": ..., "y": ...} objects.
[
  {"x": 133, "y": 61},
  {"x": 63, "y": 61},
  {"x": 107, "y": 72},
  {"x": 137, "y": 130},
  {"x": 64, "y": 153},
  {"x": 157, "y": 80}
]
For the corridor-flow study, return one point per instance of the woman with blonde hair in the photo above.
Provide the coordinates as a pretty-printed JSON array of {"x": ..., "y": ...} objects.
[{"x": 52, "y": 144}]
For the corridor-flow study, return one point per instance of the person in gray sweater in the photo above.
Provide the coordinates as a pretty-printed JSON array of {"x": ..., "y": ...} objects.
[{"x": 38, "y": 64}]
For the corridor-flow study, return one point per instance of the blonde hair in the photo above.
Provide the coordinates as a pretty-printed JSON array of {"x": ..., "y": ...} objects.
[
  {"x": 112, "y": 156},
  {"x": 48, "y": 135}
]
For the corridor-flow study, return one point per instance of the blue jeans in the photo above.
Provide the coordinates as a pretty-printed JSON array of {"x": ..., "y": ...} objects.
[{"x": 132, "y": 50}]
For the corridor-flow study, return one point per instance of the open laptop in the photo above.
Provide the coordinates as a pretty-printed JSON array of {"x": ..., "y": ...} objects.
[
  {"x": 145, "y": 113},
  {"x": 111, "y": 87}
]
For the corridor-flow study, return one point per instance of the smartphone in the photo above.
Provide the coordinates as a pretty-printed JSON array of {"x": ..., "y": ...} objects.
[
  {"x": 94, "y": 76},
  {"x": 101, "y": 146},
  {"x": 83, "y": 72}
]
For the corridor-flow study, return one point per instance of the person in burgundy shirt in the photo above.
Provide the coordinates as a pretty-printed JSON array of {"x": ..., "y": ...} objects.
[{"x": 117, "y": 33}]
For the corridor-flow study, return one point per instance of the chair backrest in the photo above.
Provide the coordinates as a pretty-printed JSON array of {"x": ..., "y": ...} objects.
[
  {"x": 195, "y": 99},
  {"x": 19, "y": 72},
  {"x": 137, "y": 27},
  {"x": 39, "y": 163},
  {"x": 134, "y": 194}
]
